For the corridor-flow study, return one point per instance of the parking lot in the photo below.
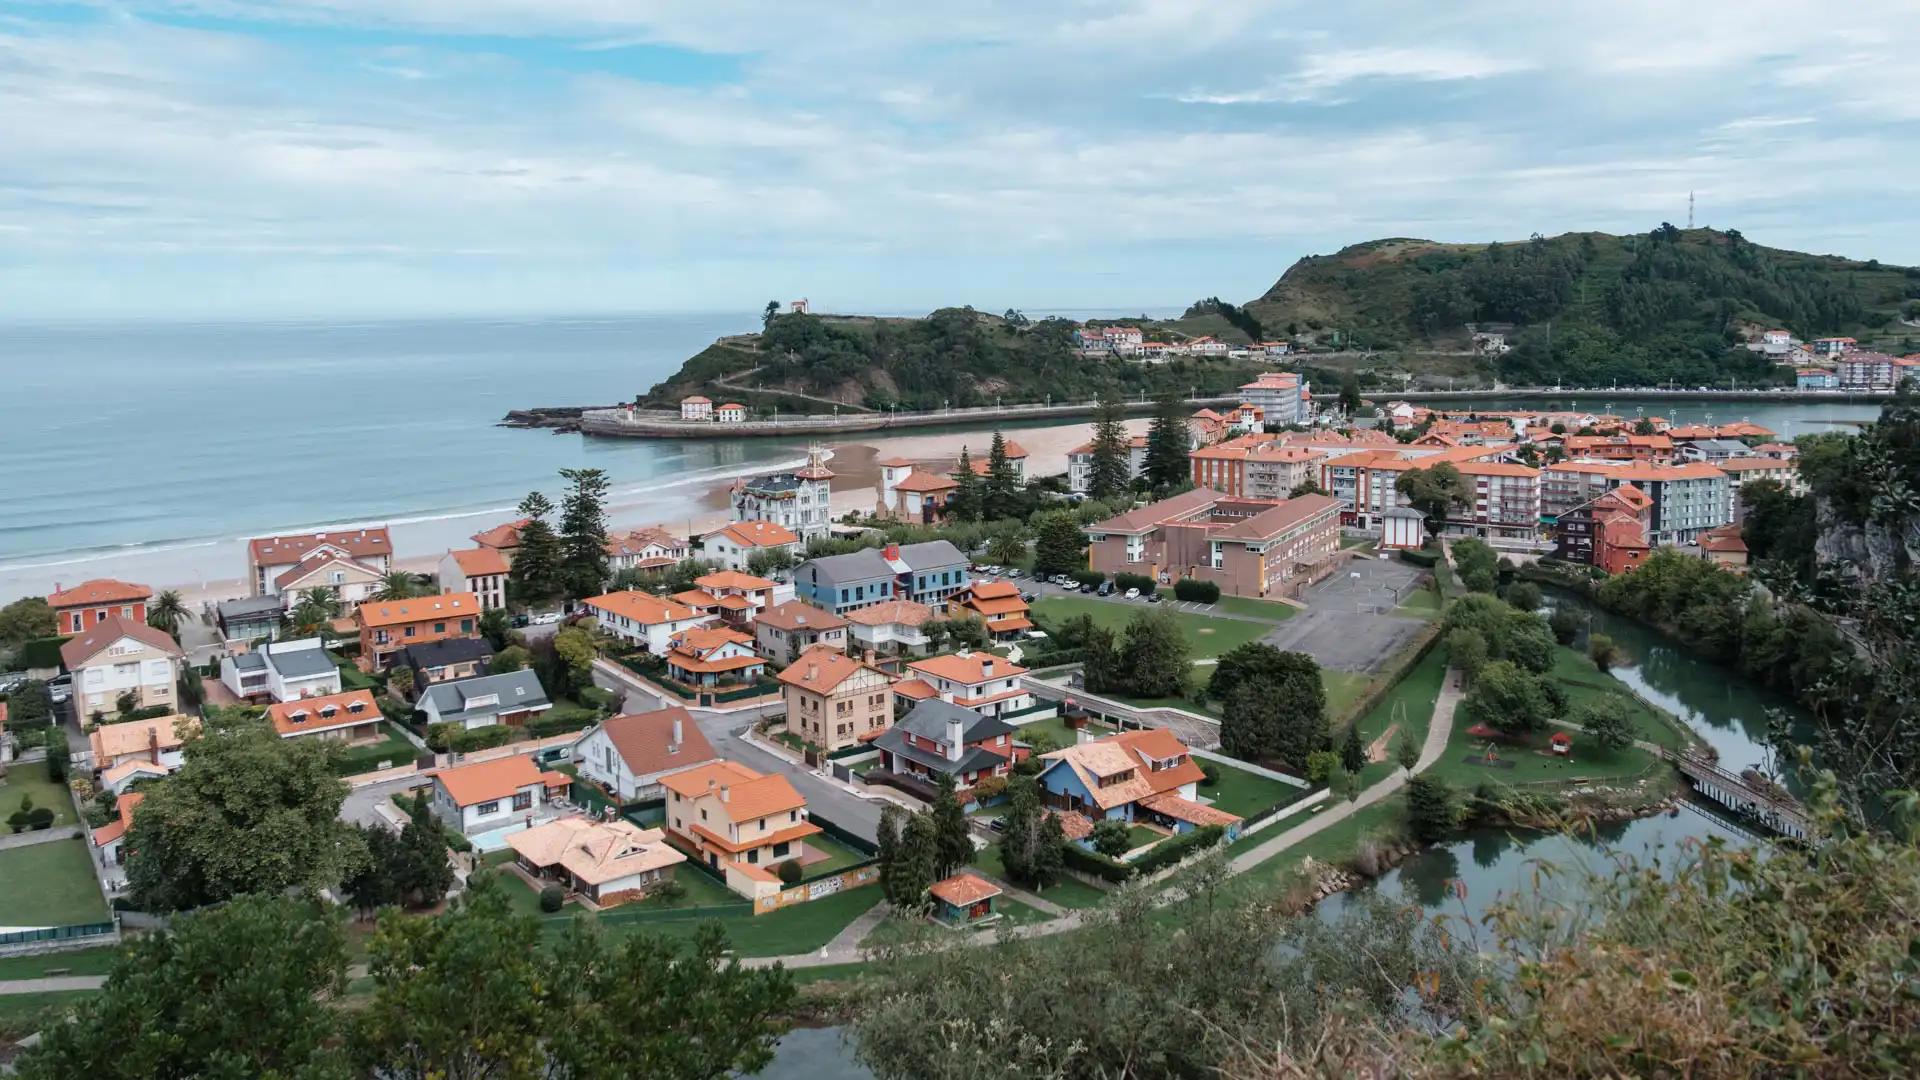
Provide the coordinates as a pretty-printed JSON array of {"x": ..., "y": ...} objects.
[{"x": 1349, "y": 624}]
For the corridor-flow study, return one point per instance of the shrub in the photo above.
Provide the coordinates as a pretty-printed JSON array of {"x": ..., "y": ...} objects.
[
  {"x": 458, "y": 841},
  {"x": 1088, "y": 577},
  {"x": 482, "y": 738},
  {"x": 19, "y": 819},
  {"x": 552, "y": 898},
  {"x": 1145, "y": 584},
  {"x": 1419, "y": 558},
  {"x": 440, "y": 736},
  {"x": 668, "y": 891},
  {"x": 1320, "y": 765},
  {"x": 1196, "y": 591},
  {"x": 1170, "y": 851},
  {"x": 990, "y": 787},
  {"x": 1088, "y": 862},
  {"x": 40, "y": 817},
  {"x": 594, "y": 697},
  {"x": 1209, "y": 773},
  {"x": 789, "y": 872},
  {"x": 1110, "y": 838}
]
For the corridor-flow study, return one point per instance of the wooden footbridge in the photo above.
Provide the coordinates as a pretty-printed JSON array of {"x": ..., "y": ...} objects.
[{"x": 1763, "y": 808}]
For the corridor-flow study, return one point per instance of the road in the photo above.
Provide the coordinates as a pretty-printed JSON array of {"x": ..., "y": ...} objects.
[{"x": 825, "y": 797}]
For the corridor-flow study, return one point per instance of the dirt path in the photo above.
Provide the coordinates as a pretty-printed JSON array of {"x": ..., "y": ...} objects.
[{"x": 1377, "y": 749}]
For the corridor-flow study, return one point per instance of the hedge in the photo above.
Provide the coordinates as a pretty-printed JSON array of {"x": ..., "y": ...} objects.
[
  {"x": 1092, "y": 862},
  {"x": 41, "y": 652},
  {"x": 481, "y": 738},
  {"x": 29, "y": 706},
  {"x": 151, "y": 712},
  {"x": 1197, "y": 591},
  {"x": 1088, "y": 577},
  {"x": 1165, "y": 853},
  {"x": 1419, "y": 558}
]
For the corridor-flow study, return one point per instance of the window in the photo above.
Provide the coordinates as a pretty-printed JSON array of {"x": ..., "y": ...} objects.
[
  {"x": 410, "y": 630},
  {"x": 466, "y": 626},
  {"x": 439, "y": 628},
  {"x": 523, "y": 800},
  {"x": 793, "y": 815},
  {"x": 486, "y": 808},
  {"x": 780, "y": 849}
]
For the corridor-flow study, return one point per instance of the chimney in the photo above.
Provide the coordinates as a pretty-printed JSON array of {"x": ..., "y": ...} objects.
[
  {"x": 955, "y": 727},
  {"x": 986, "y": 667},
  {"x": 946, "y": 696},
  {"x": 891, "y": 552},
  {"x": 673, "y": 746},
  {"x": 813, "y": 672},
  {"x": 153, "y": 744},
  {"x": 725, "y": 790}
]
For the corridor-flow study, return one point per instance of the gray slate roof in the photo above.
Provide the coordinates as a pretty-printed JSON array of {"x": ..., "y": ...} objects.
[
  {"x": 446, "y": 651},
  {"x": 517, "y": 689},
  {"x": 250, "y": 607},
  {"x": 868, "y": 563},
  {"x": 301, "y": 663},
  {"x": 977, "y": 759},
  {"x": 929, "y": 721}
]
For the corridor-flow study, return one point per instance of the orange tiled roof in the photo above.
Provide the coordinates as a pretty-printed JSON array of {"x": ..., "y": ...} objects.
[
  {"x": 117, "y": 828},
  {"x": 643, "y": 740},
  {"x": 901, "y": 612},
  {"x": 470, "y": 785},
  {"x": 99, "y": 591},
  {"x": 323, "y": 713},
  {"x": 501, "y": 536},
  {"x": 479, "y": 562},
  {"x": 359, "y": 543},
  {"x": 450, "y": 605},
  {"x": 139, "y": 736},
  {"x": 969, "y": 669},
  {"x": 964, "y": 889},
  {"x": 76, "y": 651},
  {"x": 925, "y": 482},
  {"x": 759, "y": 534},
  {"x": 643, "y": 608},
  {"x": 731, "y": 579},
  {"x": 749, "y": 794},
  {"x": 821, "y": 670},
  {"x": 798, "y": 615}
]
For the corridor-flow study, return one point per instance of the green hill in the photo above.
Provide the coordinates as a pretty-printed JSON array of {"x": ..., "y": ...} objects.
[
  {"x": 954, "y": 357},
  {"x": 1590, "y": 307}
]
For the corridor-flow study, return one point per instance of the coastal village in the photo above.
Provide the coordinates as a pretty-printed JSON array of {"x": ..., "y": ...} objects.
[{"x": 751, "y": 722}]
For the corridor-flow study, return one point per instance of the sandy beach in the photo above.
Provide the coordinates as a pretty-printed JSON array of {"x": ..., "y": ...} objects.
[{"x": 215, "y": 572}]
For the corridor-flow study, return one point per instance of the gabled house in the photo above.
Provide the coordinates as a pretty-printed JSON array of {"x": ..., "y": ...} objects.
[
  {"x": 938, "y": 738},
  {"x": 800, "y": 501},
  {"x": 91, "y": 603},
  {"x": 509, "y": 699},
  {"x": 351, "y": 581},
  {"x": 782, "y": 632},
  {"x": 890, "y": 628},
  {"x": 281, "y": 671},
  {"x": 646, "y": 550},
  {"x": 119, "y": 657},
  {"x": 927, "y": 573},
  {"x": 504, "y": 539},
  {"x": 644, "y": 619},
  {"x": 493, "y": 794},
  {"x": 995, "y": 603},
  {"x": 110, "y": 839},
  {"x": 1147, "y": 777},
  {"x": 159, "y": 742},
  {"x": 480, "y": 571},
  {"x": 981, "y": 462},
  {"x": 834, "y": 701},
  {"x": 351, "y": 717},
  {"x": 702, "y": 656},
  {"x": 268, "y": 557},
  {"x": 739, "y": 822},
  {"x": 733, "y": 596},
  {"x": 734, "y": 546},
  {"x": 987, "y": 684},
  {"x": 388, "y": 626},
  {"x": 630, "y": 753},
  {"x": 445, "y": 660},
  {"x": 608, "y": 862},
  {"x": 911, "y": 494}
]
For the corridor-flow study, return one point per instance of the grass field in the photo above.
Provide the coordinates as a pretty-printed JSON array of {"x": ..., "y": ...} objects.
[
  {"x": 1257, "y": 608},
  {"x": 1343, "y": 689},
  {"x": 1206, "y": 636},
  {"x": 1067, "y": 892},
  {"x": 1242, "y": 792},
  {"x": 49, "y": 884},
  {"x": 796, "y": 929},
  {"x": 97, "y": 961},
  {"x": 23, "y": 1014},
  {"x": 839, "y": 856},
  {"x": 1582, "y": 681},
  {"x": 359, "y": 759},
  {"x": 29, "y": 778},
  {"x": 1421, "y": 603},
  {"x": 1410, "y": 703}
]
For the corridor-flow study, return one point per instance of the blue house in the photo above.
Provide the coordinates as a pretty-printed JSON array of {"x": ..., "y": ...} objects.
[
  {"x": 926, "y": 573},
  {"x": 1816, "y": 379},
  {"x": 1143, "y": 777}
]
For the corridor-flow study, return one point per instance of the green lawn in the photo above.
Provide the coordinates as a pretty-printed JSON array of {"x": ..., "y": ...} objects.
[
  {"x": 796, "y": 929},
  {"x": 1532, "y": 763},
  {"x": 1582, "y": 681},
  {"x": 1067, "y": 892},
  {"x": 394, "y": 747},
  {"x": 1423, "y": 603},
  {"x": 95, "y": 961},
  {"x": 30, "y": 779},
  {"x": 23, "y": 1014},
  {"x": 351, "y": 677},
  {"x": 1257, "y": 608},
  {"x": 1139, "y": 836},
  {"x": 839, "y": 855},
  {"x": 1242, "y": 792},
  {"x": 1409, "y": 703},
  {"x": 1356, "y": 541},
  {"x": 49, "y": 884},
  {"x": 1206, "y": 636},
  {"x": 1343, "y": 689},
  {"x": 1056, "y": 729}
]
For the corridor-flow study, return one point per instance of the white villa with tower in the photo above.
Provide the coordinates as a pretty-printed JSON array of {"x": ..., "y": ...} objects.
[{"x": 801, "y": 500}]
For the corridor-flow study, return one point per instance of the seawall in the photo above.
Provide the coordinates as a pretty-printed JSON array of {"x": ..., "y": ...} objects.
[{"x": 623, "y": 423}]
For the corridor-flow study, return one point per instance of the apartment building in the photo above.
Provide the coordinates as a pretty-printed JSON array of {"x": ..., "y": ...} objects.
[
  {"x": 1365, "y": 483},
  {"x": 1686, "y": 500},
  {"x": 1249, "y": 547},
  {"x": 388, "y": 626},
  {"x": 268, "y": 557},
  {"x": 1742, "y": 471},
  {"x": 1080, "y": 464},
  {"x": 1281, "y": 394},
  {"x": 1255, "y": 466}
]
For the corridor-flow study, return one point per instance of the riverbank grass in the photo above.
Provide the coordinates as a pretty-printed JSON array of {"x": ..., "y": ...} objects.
[{"x": 1583, "y": 681}]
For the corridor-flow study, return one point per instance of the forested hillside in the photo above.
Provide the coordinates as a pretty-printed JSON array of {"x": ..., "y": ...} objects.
[
  {"x": 954, "y": 357},
  {"x": 1592, "y": 307}
]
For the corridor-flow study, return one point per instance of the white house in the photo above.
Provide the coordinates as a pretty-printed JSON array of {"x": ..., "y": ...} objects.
[
  {"x": 889, "y": 628},
  {"x": 696, "y": 408},
  {"x": 119, "y": 657},
  {"x": 481, "y": 571},
  {"x": 1206, "y": 346},
  {"x": 651, "y": 548},
  {"x": 801, "y": 500},
  {"x": 493, "y": 794},
  {"x": 281, "y": 671},
  {"x": 511, "y": 698},
  {"x": 352, "y": 582},
  {"x": 628, "y": 754},
  {"x": 987, "y": 684},
  {"x": 731, "y": 413},
  {"x": 733, "y": 546},
  {"x": 1080, "y": 464},
  {"x": 268, "y": 557},
  {"x": 643, "y": 618}
]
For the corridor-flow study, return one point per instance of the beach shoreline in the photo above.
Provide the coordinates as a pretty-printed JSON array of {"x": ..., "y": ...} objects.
[{"x": 209, "y": 571}]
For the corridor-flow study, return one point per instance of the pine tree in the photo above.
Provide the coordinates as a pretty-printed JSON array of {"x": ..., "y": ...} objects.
[
  {"x": 1405, "y": 751},
  {"x": 423, "y": 872},
  {"x": 1003, "y": 486},
  {"x": 968, "y": 501},
  {"x": 1111, "y": 470},
  {"x": 1060, "y": 545},
  {"x": 1049, "y": 858},
  {"x": 1018, "y": 827},
  {"x": 535, "y": 575},
  {"x": 583, "y": 533},
  {"x": 887, "y": 848},
  {"x": 953, "y": 848},
  {"x": 1166, "y": 464},
  {"x": 1353, "y": 756},
  {"x": 916, "y": 867}
]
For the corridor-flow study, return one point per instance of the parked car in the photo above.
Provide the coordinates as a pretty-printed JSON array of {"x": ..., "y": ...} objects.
[
  {"x": 997, "y": 825},
  {"x": 1153, "y": 598},
  {"x": 1028, "y": 597},
  {"x": 1133, "y": 594},
  {"x": 11, "y": 680},
  {"x": 1105, "y": 589},
  {"x": 545, "y": 618},
  {"x": 60, "y": 688}
]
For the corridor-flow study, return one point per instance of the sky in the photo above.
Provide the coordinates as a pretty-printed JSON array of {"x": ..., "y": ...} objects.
[{"x": 310, "y": 158}]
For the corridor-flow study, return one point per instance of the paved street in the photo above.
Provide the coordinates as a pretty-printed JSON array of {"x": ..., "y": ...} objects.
[{"x": 723, "y": 730}]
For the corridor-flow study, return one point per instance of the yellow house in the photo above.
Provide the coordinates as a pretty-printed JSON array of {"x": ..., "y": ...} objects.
[
  {"x": 739, "y": 822},
  {"x": 834, "y": 701}
]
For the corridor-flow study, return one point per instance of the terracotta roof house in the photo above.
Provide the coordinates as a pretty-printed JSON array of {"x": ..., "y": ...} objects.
[
  {"x": 91, "y": 603},
  {"x": 608, "y": 862},
  {"x": 159, "y": 741},
  {"x": 481, "y": 571},
  {"x": 388, "y": 626},
  {"x": 702, "y": 656},
  {"x": 351, "y": 581},
  {"x": 784, "y": 631},
  {"x": 630, "y": 753},
  {"x": 352, "y": 716},
  {"x": 642, "y": 618},
  {"x": 502, "y": 538},
  {"x": 111, "y": 837},
  {"x": 965, "y": 899},
  {"x": 987, "y": 684},
  {"x": 995, "y": 603},
  {"x": 119, "y": 657},
  {"x": 1147, "y": 777},
  {"x": 1249, "y": 547},
  {"x": 493, "y": 794},
  {"x": 646, "y": 550},
  {"x": 890, "y": 628},
  {"x": 735, "y": 545},
  {"x": 834, "y": 701},
  {"x": 738, "y": 821},
  {"x": 270, "y": 556}
]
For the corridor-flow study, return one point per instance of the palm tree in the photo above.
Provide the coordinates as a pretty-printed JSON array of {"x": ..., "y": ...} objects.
[
  {"x": 324, "y": 598},
  {"x": 396, "y": 585},
  {"x": 167, "y": 612},
  {"x": 308, "y": 617}
]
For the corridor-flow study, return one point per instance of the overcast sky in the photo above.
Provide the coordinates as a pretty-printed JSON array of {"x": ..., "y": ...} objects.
[{"x": 317, "y": 157}]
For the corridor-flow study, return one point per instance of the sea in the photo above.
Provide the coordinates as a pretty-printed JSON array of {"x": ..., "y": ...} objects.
[{"x": 151, "y": 450}]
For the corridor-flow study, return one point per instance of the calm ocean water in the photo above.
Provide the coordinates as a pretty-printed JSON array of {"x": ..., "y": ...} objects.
[{"x": 151, "y": 448}]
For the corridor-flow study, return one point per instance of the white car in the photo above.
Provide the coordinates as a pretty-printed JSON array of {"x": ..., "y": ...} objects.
[
  {"x": 545, "y": 618},
  {"x": 1133, "y": 594}
]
